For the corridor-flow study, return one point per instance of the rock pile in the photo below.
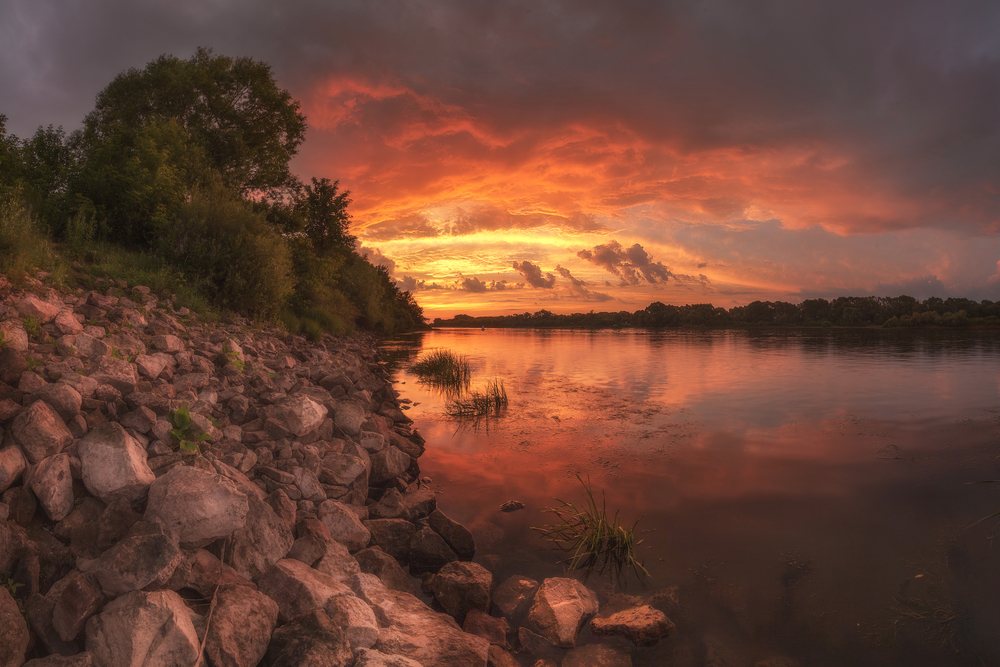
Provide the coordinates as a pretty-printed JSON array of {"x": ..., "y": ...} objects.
[{"x": 280, "y": 538}]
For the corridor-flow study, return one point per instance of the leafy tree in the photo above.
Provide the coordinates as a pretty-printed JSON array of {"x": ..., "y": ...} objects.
[
  {"x": 327, "y": 223},
  {"x": 47, "y": 163},
  {"x": 10, "y": 157},
  {"x": 230, "y": 108}
]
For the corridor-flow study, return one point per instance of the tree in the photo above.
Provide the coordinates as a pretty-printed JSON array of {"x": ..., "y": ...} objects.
[
  {"x": 10, "y": 158},
  {"x": 327, "y": 223},
  {"x": 230, "y": 108}
]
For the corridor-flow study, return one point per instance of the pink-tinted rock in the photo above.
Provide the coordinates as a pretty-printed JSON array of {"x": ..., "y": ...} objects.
[
  {"x": 64, "y": 399},
  {"x": 90, "y": 347},
  {"x": 118, "y": 373},
  {"x": 304, "y": 414},
  {"x": 67, "y": 324},
  {"x": 514, "y": 597},
  {"x": 76, "y": 597},
  {"x": 14, "y": 635},
  {"x": 113, "y": 465},
  {"x": 150, "y": 366},
  {"x": 196, "y": 507},
  {"x": 460, "y": 587},
  {"x": 641, "y": 624},
  {"x": 12, "y": 465},
  {"x": 34, "y": 307},
  {"x": 297, "y": 588},
  {"x": 52, "y": 484},
  {"x": 142, "y": 628},
  {"x": 167, "y": 343},
  {"x": 40, "y": 431},
  {"x": 241, "y": 627},
  {"x": 15, "y": 335},
  {"x": 560, "y": 608}
]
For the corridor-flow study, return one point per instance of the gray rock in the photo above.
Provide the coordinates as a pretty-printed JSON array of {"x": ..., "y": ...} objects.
[
  {"x": 460, "y": 588},
  {"x": 264, "y": 540},
  {"x": 64, "y": 399},
  {"x": 377, "y": 562},
  {"x": 297, "y": 588},
  {"x": 560, "y": 608},
  {"x": 597, "y": 655},
  {"x": 195, "y": 506},
  {"x": 458, "y": 537},
  {"x": 373, "y": 658},
  {"x": 344, "y": 525},
  {"x": 311, "y": 640},
  {"x": 40, "y": 431},
  {"x": 142, "y": 628},
  {"x": 113, "y": 465},
  {"x": 303, "y": 415},
  {"x": 140, "y": 560},
  {"x": 388, "y": 464},
  {"x": 12, "y": 465},
  {"x": 14, "y": 635},
  {"x": 52, "y": 484},
  {"x": 356, "y": 618},
  {"x": 428, "y": 552},
  {"x": 642, "y": 624},
  {"x": 241, "y": 627},
  {"x": 118, "y": 373},
  {"x": 349, "y": 416},
  {"x": 514, "y": 597}
]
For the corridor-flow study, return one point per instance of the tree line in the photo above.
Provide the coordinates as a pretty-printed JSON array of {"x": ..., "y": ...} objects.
[
  {"x": 188, "y": 161},
  {"x": 849, "y": 311}
]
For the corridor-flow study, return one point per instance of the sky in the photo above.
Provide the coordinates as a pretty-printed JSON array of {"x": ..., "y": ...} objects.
[{"x": 508, "y": 156}]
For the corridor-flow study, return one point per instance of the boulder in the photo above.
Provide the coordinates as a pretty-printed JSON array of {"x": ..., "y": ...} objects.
[
  {"x": 84, "y": 659},
  {"x": 344, "y": 525},
  {"x": 356, "y": 618},
  {"x": 307, "y": 482},
  {"x": 14, "y": 635},
  {"x": 90, "y": 347},
  {"x": 40, "y": 431},
  {"x": 297, "y": 588},
  {"x": 311, "y": 640},
  {"x": 12, "y": 365},
  {"x": 373, "y": 658},
  {"x": 342, "y": 469},
  {"x": 388, "y": 464},
  {"x": 12, "y": 465},
  {"x": 458, "y": 537},
  {"x": 264, "y": 539},
  {"x": 560, "y": 608},
  {"x": 204, "y": 572},
  {"x": 641, "y": 624},
  {"x": 377, "y": 562},
  {"x": 597, "y": 655},
  {"x": 514, "y": 597},
  {"x": 195, "y": 506},
  {"x": 492, "y": 629},
  {"x": 428, "y": 552},
  {"x": 349, "y": 416},
  {"x": 67, "y": 324},
  {"x": 64, "y": 399},
  {"x": 52, "y": 485},
  {"x": 241, "y": 627},
  {"x": 75, "y": 598},
  {"x": 147, "y": 629},
  {"x": 304, "y": 414},
  {"x": 118, "y": 373},
  {"x": 147, "y": 557},
  {"x": 167, "y": 343},
  {"x": 15, "y": 335},
  {"x": 460, "y": 588},
  {"x": 150, "y": 366},
  {"x": 392, "y": 536},
  {"x": 337, "y": 562},
  {"x": 113, "y": 465},
  {"x": 32, "y": 306}
]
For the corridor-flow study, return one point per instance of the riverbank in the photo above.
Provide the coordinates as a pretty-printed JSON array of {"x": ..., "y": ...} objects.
[{"x": 175, "y": 490}]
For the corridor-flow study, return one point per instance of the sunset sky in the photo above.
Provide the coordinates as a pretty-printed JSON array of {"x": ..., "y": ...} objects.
[{"x": 602, "y": 154}]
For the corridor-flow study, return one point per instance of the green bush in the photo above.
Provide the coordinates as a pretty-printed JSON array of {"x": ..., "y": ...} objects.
[
  {"x": 23, "y": 246},
  {"x": 232, "y": 251}
]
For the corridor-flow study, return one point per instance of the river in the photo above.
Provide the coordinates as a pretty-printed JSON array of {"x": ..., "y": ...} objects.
[{"x": 800, "y": 494}]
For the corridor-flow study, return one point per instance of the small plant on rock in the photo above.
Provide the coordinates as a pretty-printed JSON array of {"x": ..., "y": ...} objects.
[
  {"x": 233, "y": 358},
  {"x": 187, "y": 435},
  {"x": 33, "y": 327},
  {"x": 4, "y": 343}
]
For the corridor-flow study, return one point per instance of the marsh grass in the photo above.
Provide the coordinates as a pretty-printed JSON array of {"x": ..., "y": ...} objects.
[
  {"x": 592, "y": 538},
  {"x": 444, "y": 369},
  {"x": 491, "y": 401}
]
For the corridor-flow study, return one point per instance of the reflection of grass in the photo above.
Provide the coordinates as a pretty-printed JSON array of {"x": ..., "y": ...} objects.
[
  {"x": 490, "y": 401},
  {"x": 443, "y": 368},
  {"x": 592, "y": 538}
]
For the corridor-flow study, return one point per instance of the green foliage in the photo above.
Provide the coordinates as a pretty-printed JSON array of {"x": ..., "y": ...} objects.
[
  {"x": 231, "y": 252},
  {"x": 24, "y": 247},
  {"x": 230, "y": 109},
  {"x": 184, "y": 432},
  {"x": 30, "y": 362},
  {"x": 234, "y": 359},
  {"x": 327, "y": 223},
  {"x": 445, "y": 369},
  {"x": 592, "y": 538},
  {"x": 4, "y": 343},
  {"x": 33, "y": 327}
]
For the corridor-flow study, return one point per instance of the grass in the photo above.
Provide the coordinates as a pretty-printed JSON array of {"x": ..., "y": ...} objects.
[
  {"x": 592, "y": 538},
  {"x": 490, "y": 401},
  {"x": 444, "y": 369}
]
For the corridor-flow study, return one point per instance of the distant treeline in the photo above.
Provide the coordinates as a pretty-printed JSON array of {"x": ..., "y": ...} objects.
[{"x": 845, "y": 311}]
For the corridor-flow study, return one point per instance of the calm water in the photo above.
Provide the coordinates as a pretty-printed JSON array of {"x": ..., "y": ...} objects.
[{"x": 805, "y": 492}]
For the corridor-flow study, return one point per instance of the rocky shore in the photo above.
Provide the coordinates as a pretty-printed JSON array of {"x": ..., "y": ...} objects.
[{"x": 176, "y": 492}]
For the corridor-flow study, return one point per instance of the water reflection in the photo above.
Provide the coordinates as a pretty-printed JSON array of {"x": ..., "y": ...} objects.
[{"x": 791, "y": 482}]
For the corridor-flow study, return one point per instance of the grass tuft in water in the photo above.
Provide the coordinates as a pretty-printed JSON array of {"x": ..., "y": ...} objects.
[
  {"x": 445, "y": 369},
  {"x": 489, "y": 402},
  {"x": 592, "y": 538}
]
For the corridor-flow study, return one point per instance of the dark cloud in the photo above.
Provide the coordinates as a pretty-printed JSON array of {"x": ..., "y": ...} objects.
[
  {"x": 375, "y": 256},
  {"x": 533, "y": 275},
  {"x": 632, "y": 265},
  {"x": 579, "y": 287},
  {"x": 474, "y": 285}
]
